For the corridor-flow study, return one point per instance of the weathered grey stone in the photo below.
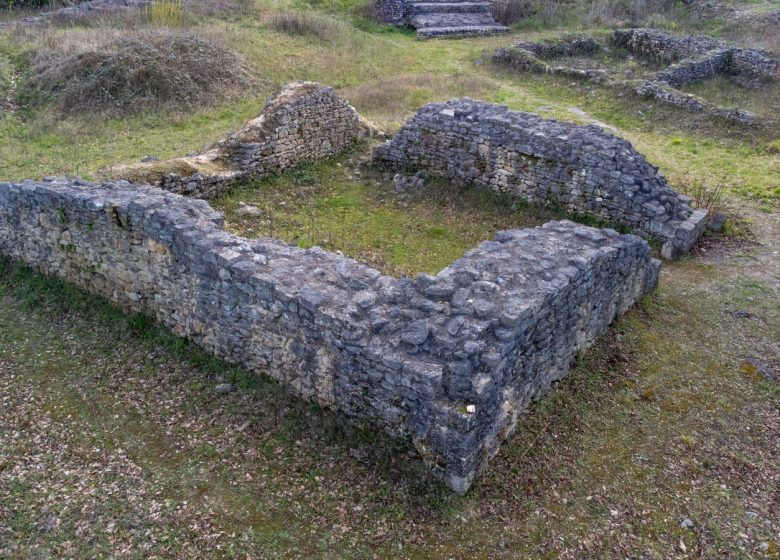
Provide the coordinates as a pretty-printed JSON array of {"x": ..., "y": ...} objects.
[
  {"x": 305, "y": 122},
  {"x": 454, "y": 381},
  {"x": 583, "y": 169}
]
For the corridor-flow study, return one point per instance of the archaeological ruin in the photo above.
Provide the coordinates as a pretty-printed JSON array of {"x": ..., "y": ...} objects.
[
  {"x": 453, "y": 18},
  {"x": 449, "y": 361},
  {"x": 582, "y": 169},
  {"x": 305, "y": 122},
  {"x": 683, "y": 60}
]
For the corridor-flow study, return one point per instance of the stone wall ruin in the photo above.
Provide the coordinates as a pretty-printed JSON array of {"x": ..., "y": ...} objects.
[
  {"x": 305, "y": 122},
  {"x": 583, "y": 169},
  {"x": 687, "y": 60},
  {"x": 449, "y": 361}
]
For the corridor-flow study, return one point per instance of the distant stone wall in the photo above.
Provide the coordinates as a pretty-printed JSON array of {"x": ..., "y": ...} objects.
[
  {"x": 659, "y": 45},
  {"x": 697, "y": 69},
  {"x": 667, "y": 94},
  {"x": 584, "y": 169},
  {"x": 523, "y": 58},
  {"x": 305, "y": 122},
  {"x": 449, "y": 361},
  {"x": 690, "y": 60},
  {"x": 694, "y": 58},
  {"x": 577, "y": 46},
  {"x": 391, "y": 11}
]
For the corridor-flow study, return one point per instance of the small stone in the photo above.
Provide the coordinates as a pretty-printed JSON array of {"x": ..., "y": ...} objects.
[
  {"x": 150, "y": 159},
  {"x": 224, "y": 388},
  {"x": 416, "y": 333},
  {"x": 687, "y": 524}
]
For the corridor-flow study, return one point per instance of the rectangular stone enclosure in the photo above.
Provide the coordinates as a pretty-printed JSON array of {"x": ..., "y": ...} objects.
[
  {"x": 449, "y": 361},
  {"x": 582, "y": 169}
]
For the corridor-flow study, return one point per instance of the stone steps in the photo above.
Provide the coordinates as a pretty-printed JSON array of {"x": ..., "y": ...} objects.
[
  {"x": 453, "y": 18},
  {"x": 449, "y": 7},
  {"x": 461, "y": 31}
]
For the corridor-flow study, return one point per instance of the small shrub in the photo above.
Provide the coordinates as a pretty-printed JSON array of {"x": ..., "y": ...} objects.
[
  {"x": 707, "y": 192},
  {"x": 134, "y": 73}
]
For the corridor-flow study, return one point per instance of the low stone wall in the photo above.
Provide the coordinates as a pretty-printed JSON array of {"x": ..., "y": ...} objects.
[
  {"x": 584, "y": 169},
  {"x": 663, "y": 92},
  {"x": 305, "y": 122},
  {"x": 577, "y": 46},
  {"x": 449, "y": 361},
  {"x": 661, "y": 46},
  {"x": 695, "y": 58},
  {"x": 691, "y": 60},
  {"x": 697, "y": 69},
  {"x": 392, "y": 12},
  {"x": 525, "y": 59}
]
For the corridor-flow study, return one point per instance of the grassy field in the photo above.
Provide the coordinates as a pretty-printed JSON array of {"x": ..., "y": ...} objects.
[{"x": 114, "y": 442}]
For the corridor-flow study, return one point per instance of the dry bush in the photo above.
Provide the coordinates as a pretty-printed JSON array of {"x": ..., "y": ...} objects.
[
  {"x": 302, "y": 24},
  {"x": 120, "y": 74},
  {"x": 220, "y": 8},
  {"x": 542, "y": 12},
  {"x": 164, "y": 12},
  {"x": 708, "y": 192},
  {"x": 508, "y": 12}
]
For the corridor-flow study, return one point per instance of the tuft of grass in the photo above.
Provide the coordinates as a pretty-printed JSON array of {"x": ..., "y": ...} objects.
[
  {"x": 306, "y": 24},
  {"x": 166, "y": 13}
]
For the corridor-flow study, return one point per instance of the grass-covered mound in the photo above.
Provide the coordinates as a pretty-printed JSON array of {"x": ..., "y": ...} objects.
[{"x": 130, "y": 74}]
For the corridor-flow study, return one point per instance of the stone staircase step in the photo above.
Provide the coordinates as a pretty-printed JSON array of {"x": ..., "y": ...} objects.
[
  {"x": 451, "y": 20},
  {"x": 418, "y": 8},
  {"x": 461, "y": 31}
]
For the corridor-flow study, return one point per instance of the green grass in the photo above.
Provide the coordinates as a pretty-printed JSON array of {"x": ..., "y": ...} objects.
[
  {"x": 339, "y": 205},
  {"x": 386, "y": 76}
]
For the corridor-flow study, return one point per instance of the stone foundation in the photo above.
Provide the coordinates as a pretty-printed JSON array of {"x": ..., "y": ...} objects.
[
  {"x": 304, "y": 122},
  {"x": 583, "y": 169},
  {"x": 690, "y": 60},
  {"x": 449, "y": 361}
]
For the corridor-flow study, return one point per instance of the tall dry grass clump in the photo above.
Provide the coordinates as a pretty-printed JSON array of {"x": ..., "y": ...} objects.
[
  {"x": 131, "y": 73},
  {"x": 306, "y": 24},
  {"x": 164, "y": 12}
]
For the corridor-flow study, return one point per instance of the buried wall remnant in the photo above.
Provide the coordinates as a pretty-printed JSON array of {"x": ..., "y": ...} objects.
[
  {"x": 305, "y": 122},
  {"x": 449, "y": 361},
  {"x": 584, "y": 169}
]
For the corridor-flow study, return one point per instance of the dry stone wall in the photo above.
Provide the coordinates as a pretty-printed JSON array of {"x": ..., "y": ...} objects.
[
  {"x": 581, "y": 168},
  {"x": 690, "y": 60},
  {"x": 305, "y": 122},
  {"x": 449, "y": 361}
]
